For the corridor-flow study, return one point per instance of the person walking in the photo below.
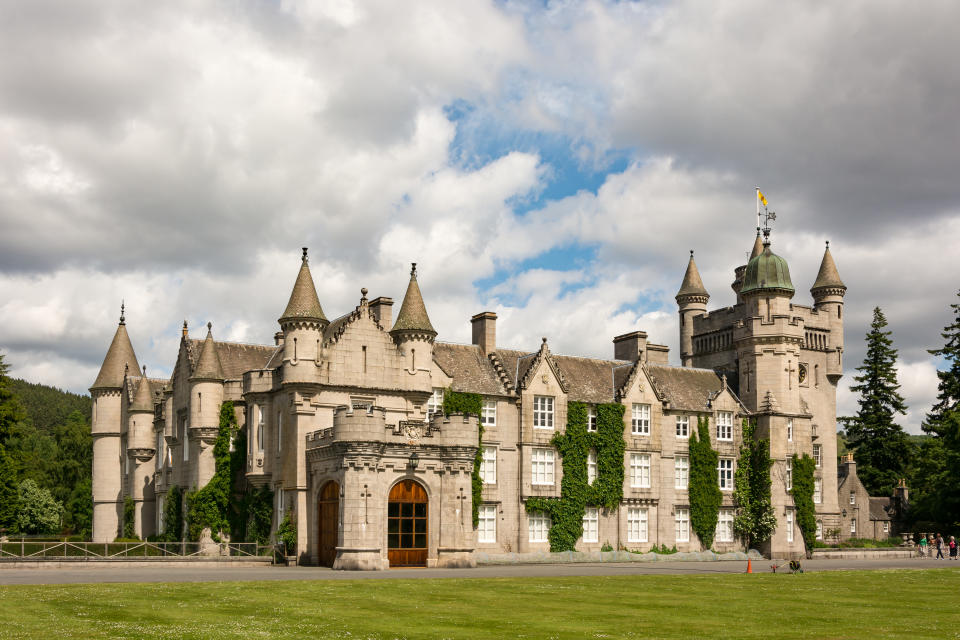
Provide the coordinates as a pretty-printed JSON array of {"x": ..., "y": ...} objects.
[
  {"x": 940, "y": 547},
  {"x": 922, "y": 545},
  {"x": 953, "y": 548}
]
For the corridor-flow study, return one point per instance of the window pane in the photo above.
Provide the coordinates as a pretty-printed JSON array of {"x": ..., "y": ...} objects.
[
  {"x": 420, "y": 525},
  {"x": 393, "y": 540},
  {"x": 393, "y": 525},
  {"x": 421, "y": 541},
  {"x": 420, "y": 509},
  {"x": 393, "y": 509},
  {"x": 406, "y": 526},
  {"x": 406, "y": 509}
]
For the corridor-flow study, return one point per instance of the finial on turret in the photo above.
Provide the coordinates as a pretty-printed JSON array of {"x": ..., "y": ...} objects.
[
  {"x": 413, "y": 269},
  {"x": 691, "y": 253},
  {"x": 123, "y": 320},
  {"x": 209, "y": 326},
  {"x": 544, "y": 340},
  {"x": 126, "y": 369},
  {"x": 184, "y": 332},
  {"x": 304, "y": 258},
  {"x": 828, "y": 244},
  {"x": 363, "y": 295},
  {"x": 144, "y": 371}
]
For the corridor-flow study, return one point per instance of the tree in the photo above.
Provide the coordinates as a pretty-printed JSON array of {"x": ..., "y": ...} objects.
[
  {"x": 803, "y": 470},
  {"x": 881, "y": 447},
  {"x": 38, "y": 512},
  {"x": 943, "y": 423},
  {"x": 209, "y": 507},
  {"x": 11, "y": 414},
  {"x": 754, "y": 521},
  {"x": 704, "y": 491}
]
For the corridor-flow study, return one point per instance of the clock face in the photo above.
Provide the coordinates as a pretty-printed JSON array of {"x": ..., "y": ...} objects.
[{"x": 802, "y": 372}]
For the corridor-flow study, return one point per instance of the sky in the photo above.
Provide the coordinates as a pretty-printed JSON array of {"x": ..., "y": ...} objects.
[{"x": 554, "y": 162}]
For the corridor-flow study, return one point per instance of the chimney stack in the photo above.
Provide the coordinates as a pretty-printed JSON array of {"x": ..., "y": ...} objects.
[
  {"x": 485, "y": 331},
  {"x": 382, "y": 309},
  {"x": 630, "y": 346}
]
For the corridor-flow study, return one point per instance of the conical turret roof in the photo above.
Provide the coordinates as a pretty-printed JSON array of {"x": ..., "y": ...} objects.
[
  {"x": 208, "y": 365},
  {"x": 143, "y": 401},
  {"x": 304, "y": 303},
  {"x": 692, "y": 284},
  {"x": 119, "y": 356},
  {"x": 413, "y": 313},
  {"x": 827, "y": 277},
  {"x": 757, "y": 247}
]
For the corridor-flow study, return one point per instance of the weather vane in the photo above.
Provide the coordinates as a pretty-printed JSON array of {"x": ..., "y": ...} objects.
[{"x": 764, "y": 217}]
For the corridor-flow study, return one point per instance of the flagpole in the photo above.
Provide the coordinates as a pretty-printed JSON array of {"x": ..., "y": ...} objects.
[{"x": 758, "y": 208}]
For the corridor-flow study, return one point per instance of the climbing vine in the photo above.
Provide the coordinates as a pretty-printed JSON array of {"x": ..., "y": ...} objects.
[
  {"x": 574, "y": 445},
  {"x": 129, "y": 527},
  {"x": 704, "y": 490},
  {"x": 173, "y": 515},
  {"x": 469, "y": 403},
  {"x": 209, "y": 506},
  {"x": 754, "y": 521},
  {"x": 802, "y": 491}
]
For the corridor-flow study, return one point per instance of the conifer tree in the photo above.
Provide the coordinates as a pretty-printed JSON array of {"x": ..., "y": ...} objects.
[
  {"x": 943, "y": 422},
  {"x": 881, "y": 447},
  {"x": 704, "y": 489},
  {"x": 11, "y": 414}
]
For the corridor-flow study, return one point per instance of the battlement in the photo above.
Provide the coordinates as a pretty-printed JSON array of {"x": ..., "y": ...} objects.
[{"x": 369, "y": 425}]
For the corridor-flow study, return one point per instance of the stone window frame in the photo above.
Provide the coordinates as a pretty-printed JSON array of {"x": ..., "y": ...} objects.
[
  {"x": 592, "y": 419},
  {"x": 488, "y": 413},
  {"x": 817, "y": 455},
  {"x": 543, "y": 407},
  {"x": 790, "y": 525},
  {"x": 681, "y": 472},
  {"x": 638, "y": 524},
  {"x": 725, "y": 474},
  {"x": 725, "y": 426},
  {"x": 435, "y": 402},
  {"x": 640, "y": 472},
  {"x": 681, "y": 524},
  {"x": 591, "y": 466},
  {"x": 640, "y": 419},
  {"x": 591, "y": 524},
  {"x": 724, "y": 532},
  {"x": 538, "y": 526},
  {"x": 544, "y": 459},
  {"x": 684, "y": 422},
  {"x": 487, "y": 522},
  {"x": 488, "y": 465},
  {"x": 817, "y": 491},
  {"x": 789, "y": 429}
]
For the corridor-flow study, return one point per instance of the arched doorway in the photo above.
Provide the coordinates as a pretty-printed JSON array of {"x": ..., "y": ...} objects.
[
  {"x": 328, "y": 510},
  {"x": 407, "y": 525}
]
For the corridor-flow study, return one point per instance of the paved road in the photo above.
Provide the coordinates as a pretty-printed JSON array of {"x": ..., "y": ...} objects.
[{"x": 114, "y": 573}]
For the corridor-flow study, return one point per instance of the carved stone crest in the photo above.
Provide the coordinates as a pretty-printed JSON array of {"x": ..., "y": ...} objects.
[{"x": 412, "y": 431}]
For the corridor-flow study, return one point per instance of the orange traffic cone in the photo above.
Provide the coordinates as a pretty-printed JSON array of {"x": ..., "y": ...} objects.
[{"x": 749, "y": 566}]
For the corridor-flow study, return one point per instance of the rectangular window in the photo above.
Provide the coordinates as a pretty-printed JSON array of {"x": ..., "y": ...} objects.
[
  {"x": 592, "y": 419},
  {"x": 681, "y": 472},
  {"x": 853, "y": 526},
  {"x": 543, "y": 412},
  {"x": 539, "y": 525},
  {"x": 683, "y": 426},
  {"x": 725, "y": 474},
  {"x": 817, "y": 490},
  {"x": 789, "y": 526},
  {"x": 886, "y": 527},
  {"x": 853, "y": 498},
  {"x": 435, "y": 403},
  {"x": 724, "y": 425},
  {"x": 817, "y": 454},
  {"x": 541, "y": 466},
  {"x": 591, "y": 524},
  {"x": 725, "y": 526},
  {"x": 819, "y": 529},
  {"x": 789, "y": 480},
  {"x": 591, "y": 466},
  {"x": 681, "y": 525},
  {"x": 261, "y": 428},
  {"x": 640, "y": 470},
  {"x": 487, "y": 527},
  {"x": 637, "y": 525},
  {"x": 279, "y": 431},
  {"x": 488, "y": 466},
  {"x": 488, "y": 413},
  {"x": 789, "y": 429},
  {"x": 640, "y": 419}
]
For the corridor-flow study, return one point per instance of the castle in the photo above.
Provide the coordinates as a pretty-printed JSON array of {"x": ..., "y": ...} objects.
[{"x": 344, "y": 422}]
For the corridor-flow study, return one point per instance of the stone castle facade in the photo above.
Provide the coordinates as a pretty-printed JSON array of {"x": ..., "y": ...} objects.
[{"x": 344, "y": 422}]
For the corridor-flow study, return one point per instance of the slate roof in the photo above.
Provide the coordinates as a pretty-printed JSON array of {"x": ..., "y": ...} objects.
[
  {"x": 143, "y": 398},
  {"x": 303, "y": 302},
  {"x": 235, "y": 358},
  {"x": 881, "y": 508},
  {"x": 588, "y": 379},
  {"x": 692, "y": 283},
  {"x": 828, "y": 276},
  {"x": 468, "y": 366},
  {"x": 208, "y": 364},
  {"x": 413, "y": 312},
  {"x": 515, "y": 363},
  {"x": 685, "y": 388},
  {"x": 119, "y": 355},
  {"x": 156, "y": 389}
]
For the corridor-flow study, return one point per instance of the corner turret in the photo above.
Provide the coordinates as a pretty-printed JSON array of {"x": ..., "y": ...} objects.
[
  {"x": 302, "y": 323},
  {"x": 413, "y": 333},
  {"x": 692, "y": 300},
  {"x": 206, "y": 396},
  {"x": 828, "y": 291}
]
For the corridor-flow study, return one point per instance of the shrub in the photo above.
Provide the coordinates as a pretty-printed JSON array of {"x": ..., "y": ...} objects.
[{"x": 129, "y": 519}]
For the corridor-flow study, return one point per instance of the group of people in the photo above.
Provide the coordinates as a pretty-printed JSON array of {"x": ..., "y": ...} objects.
[{"x": 925, "y": 546}]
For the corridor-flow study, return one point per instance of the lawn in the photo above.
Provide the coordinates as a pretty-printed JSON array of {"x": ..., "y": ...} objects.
[{"x": 870, "y": 604}]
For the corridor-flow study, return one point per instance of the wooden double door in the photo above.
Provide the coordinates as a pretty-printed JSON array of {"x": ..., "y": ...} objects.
[
  {"x": 407, "y": 510},
  {"x": 329, "y": 515}
]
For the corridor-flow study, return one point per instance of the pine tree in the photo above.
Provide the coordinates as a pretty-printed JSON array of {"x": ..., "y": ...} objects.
[
  {"x": 11, "y": 414},
  {"x": 943, "y": 423},
  {"x": 881, "y": 447}
]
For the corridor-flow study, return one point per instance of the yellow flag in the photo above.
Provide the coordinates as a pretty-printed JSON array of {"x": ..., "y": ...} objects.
[{"x": 762, "y": 197}]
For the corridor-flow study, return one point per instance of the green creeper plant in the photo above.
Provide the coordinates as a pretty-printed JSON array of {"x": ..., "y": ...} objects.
[
  {"x": 173, "y": 515},
  {"x": 129, "y": 527},
  {"x": 704, "y": 490},
  {"x": 754, "y": 521},
  {"x": 803, "y": 468},
  {"x": 209, "y": 506},
  {"x": 469, "y": 403}
]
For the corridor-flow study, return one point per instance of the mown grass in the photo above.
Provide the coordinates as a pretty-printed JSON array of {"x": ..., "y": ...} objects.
[{"x": 872, "y": 604}]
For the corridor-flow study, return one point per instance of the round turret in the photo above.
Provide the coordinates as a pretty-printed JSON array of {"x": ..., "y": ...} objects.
[{"x": 767, "y": 273}]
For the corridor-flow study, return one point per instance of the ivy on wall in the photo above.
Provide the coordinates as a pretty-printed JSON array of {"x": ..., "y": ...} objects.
[
  {"x": 704, "y": 490},
  {"x": 173, "y": 515},
  {"x": 469, "y": 403},
  {"x": 802, "y": 491},
  {"x": 754, "y": 521},
  {"x": 129, "y": 527},
  {"x": 574, "y": 445},
  {"x": 209, "y": 506}
]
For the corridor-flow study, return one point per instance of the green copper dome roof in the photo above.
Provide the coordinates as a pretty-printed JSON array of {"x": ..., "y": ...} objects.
[{"x": 765, "y": 272}]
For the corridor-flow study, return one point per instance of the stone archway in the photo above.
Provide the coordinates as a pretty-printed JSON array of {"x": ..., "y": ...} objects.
[
  {"x": 328, "y": 529},
  {"x": 407, "y": 511}
]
